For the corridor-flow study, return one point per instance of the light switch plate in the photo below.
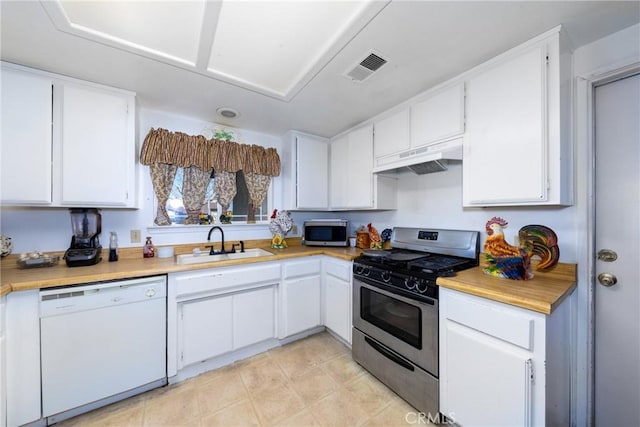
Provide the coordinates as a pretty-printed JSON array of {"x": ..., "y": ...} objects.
[{"x": 135, "y": 236}]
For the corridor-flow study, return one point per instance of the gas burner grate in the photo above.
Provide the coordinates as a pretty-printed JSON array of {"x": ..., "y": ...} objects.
[{"x": 438, "y": 263}]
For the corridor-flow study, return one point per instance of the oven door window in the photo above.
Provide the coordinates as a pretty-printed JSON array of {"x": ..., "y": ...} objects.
[{"x": 398, "y": 318}]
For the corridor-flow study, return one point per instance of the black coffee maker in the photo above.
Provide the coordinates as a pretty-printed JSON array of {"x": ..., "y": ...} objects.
[{"x": 85, "y": 248}]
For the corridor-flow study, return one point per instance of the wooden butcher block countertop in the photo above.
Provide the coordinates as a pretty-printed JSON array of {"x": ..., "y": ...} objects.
[
  {"x": 543, "y": 293},
  {"x": 131, "y": 264}
]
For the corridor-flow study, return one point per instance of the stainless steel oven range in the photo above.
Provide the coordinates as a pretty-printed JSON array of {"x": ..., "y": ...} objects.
[{"x": 395, "y": 308}]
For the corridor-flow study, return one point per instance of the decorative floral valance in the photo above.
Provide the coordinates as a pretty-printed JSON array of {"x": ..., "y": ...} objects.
[
  {"x": 166, "y": 151},
  {"x": 180, "y": 149}
]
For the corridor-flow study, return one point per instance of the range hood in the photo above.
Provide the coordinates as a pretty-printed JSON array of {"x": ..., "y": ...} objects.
[{"x": 429, "y": 159}]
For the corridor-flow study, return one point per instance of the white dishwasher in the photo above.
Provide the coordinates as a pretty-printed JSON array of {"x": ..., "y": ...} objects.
[{"x": 101, "y": 342}]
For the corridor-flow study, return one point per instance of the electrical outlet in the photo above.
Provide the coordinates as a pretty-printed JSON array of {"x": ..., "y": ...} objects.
[
  {"x": 294, "y": 229},
  {"x": 135, "y": 236}
]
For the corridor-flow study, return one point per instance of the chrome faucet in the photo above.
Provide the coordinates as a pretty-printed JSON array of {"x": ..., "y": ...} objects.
[{"x": 212, "y": 252}]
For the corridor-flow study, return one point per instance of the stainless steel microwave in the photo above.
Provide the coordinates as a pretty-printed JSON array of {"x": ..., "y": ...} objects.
[{"x": 325, "y": 232}]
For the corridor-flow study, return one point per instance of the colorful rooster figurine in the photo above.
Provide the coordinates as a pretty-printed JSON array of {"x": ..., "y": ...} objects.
[
  {"x": 374, "y": 237},
  {"x": 514, "y": 262},
  {"x": 280, "y": 224}
]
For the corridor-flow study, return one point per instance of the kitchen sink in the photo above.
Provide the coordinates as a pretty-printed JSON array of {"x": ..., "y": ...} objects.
[
  {"x": 204, "y": 257},
  {"x": 250, "y": 253}
]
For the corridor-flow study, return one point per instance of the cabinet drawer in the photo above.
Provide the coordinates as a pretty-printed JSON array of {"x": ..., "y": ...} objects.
[
  {"x": 301, "y": 268},
  {"x": 221, "y": 280},
  {"x": 340, "y": 270},
  {"x": 500, "y": 322}
]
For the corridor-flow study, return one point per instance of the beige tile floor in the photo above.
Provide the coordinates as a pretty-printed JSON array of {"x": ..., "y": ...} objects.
[{"x": 311, "y": 382}]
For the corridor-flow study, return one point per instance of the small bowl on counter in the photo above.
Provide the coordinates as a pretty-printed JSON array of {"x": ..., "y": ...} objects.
[{"x": 165, "y": 251}]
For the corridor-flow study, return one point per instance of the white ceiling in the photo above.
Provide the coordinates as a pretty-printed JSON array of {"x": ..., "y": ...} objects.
[{"x": 192, "y": 57}]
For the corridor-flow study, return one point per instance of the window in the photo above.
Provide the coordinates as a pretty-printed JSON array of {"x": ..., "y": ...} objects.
[{"x": 211, "y": 210}]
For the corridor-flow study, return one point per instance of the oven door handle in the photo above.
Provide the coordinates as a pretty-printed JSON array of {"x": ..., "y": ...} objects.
[{"x": 389, "y": 355}]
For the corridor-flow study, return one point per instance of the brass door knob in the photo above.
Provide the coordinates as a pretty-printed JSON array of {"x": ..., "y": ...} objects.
[{"x": 607, "y": 279}]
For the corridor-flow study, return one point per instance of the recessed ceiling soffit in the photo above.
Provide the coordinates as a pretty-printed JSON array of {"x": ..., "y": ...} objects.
[{"x": 271, "y": 47}]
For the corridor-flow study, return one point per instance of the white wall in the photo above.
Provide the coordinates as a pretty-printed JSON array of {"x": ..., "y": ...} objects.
[
  {"x": 48, "y": 229},
  {"x": 435, "y": 200}
]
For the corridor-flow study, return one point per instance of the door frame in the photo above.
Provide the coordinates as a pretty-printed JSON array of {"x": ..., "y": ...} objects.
[{"x": 585, "y": 324}]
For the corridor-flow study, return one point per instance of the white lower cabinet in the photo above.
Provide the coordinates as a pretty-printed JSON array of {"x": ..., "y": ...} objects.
[
  {"x": 502, "y": 365},
  {"x": 23, "y": 357},
  {"x": 337, "y": 297},
  {"x": 3, "y": 368},
  {"x": 300, "y": 296},
  {"x": 213, "y": 326},
  {"x": 254, "y": 314},
  {"x": 219, "y": 310},
  {"x": 204, "y": 328}
]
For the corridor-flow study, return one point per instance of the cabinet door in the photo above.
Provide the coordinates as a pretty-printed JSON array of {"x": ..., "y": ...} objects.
[
  {"x": 204, "y": 329},
  {"x": 3, "y": 387},
  {"x": 312, "y": 173},
  {"x": 23, "y": 401},
  {"x": 253, "y": 317},
  {"x": 337, "y": 306},
  {"x": 26, "y": 138},
  {"x": 487, "y": 382},
  {"x": 439, "y": 116},
  {"x": 97, "y": 147},
  {"x": 391, "y": 134},
  {"x": 3, "y": 369},
  {"x": 359, "y": 172},
  {"x": 301, "y": 304},
  {"x": 340, "y": 163},
  {"x": 505, "y": 149}
]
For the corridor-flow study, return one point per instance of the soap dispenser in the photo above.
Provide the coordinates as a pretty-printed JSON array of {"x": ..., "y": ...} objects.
[{"x": 148, "y": 251}]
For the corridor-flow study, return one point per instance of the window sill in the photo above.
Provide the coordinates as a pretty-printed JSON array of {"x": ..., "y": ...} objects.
[{"x": 199, "y": 229}]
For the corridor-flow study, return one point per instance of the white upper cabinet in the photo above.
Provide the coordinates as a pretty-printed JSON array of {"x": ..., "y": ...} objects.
[
  {"x": 26, "y": 138},
  {"x": 97, "y": 134},
  {"x": 76, "y": 139},
  {"x": 517, "y": 149},
  {"x": 353, "y": 184},
  {"x": 339, "y": 166},
  {"x": 391, "y": 134},
  {"x": 360, "y": 178},
  {"x": 305, "y": 171},
  {"x": 433, "y": 117},
  {"x": 438, "y": 116}
]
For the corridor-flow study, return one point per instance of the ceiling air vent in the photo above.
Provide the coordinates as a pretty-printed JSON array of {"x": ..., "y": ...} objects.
[{"x": 365, "y": 68}]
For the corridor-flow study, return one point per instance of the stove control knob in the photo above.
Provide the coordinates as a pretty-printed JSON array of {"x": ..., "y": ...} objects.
[
  {"x": 410, "y": 283},
  {"x": 366, "y": 271},
  {"x": 386, "y": 276},
  {"x": 359, "y": 269},
  {"x": 421, "y": 286}
]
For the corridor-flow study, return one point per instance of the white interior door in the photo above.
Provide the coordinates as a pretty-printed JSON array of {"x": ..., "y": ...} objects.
[{"x": 617, "y": 306}]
